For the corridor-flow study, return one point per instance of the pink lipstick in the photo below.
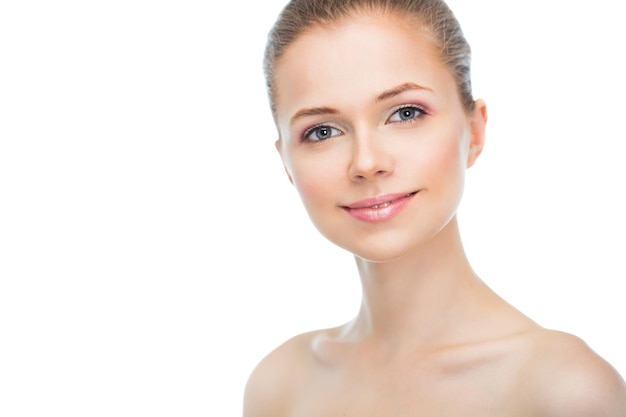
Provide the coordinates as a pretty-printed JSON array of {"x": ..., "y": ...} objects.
[{"x": 380, "y": 208}]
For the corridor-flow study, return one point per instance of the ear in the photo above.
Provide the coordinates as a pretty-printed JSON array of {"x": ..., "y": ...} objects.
[
  {"x": 478, "y": 121},
  {"x": 279, "y": 147}
]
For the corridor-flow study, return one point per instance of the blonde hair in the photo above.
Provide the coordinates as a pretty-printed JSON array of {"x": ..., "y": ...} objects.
[{"x": 298, "y": 16}]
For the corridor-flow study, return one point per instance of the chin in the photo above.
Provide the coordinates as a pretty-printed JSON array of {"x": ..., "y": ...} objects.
[
  {"x": 381, "y": 251},
  {"x": 379, "y": 258},
  {"x": 396, "y": 243}
]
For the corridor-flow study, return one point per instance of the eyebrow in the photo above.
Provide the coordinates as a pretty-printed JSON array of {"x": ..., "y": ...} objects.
[
  {"x": 385, "y": 95},
  {"x": 314, "y": 111}
]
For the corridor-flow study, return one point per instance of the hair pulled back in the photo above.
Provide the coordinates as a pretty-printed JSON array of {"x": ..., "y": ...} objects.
[{"x": 298, "y": 16}]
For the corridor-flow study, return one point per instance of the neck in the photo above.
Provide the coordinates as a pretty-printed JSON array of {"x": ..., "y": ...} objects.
[{"x": 417, "y": 295}]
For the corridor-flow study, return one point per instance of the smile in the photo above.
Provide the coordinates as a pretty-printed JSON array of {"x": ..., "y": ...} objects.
[{"x": 380, "y": 208}]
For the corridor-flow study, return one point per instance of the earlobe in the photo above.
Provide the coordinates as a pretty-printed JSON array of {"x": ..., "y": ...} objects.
[
  {"x": 278, "y": 145},
  {"x": 477, "y": 132}
]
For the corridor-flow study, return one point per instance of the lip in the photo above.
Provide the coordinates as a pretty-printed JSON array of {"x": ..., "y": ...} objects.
[{"x": 379, "y": 208}]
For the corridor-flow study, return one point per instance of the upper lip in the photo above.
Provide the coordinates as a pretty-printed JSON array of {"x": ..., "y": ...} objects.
[{"x": 370, "y": 202}]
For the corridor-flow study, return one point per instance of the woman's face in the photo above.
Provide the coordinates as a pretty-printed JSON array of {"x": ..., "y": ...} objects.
[{"x": 373, "y": 134}]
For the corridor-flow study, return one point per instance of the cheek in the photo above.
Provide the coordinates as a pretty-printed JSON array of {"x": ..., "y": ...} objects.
[
  {"x": 440, "y": 159},
  {"x": 448, "y": 158},
  {"x": 313, "y": 180}
]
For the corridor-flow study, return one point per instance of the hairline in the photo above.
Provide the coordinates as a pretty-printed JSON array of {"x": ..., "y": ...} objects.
[{"x": 334, "y": 22}]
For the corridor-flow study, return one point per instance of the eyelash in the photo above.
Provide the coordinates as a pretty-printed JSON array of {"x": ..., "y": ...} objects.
[
  {"x": 419, "y": 113},
  {"x": 306, "y": 136}
]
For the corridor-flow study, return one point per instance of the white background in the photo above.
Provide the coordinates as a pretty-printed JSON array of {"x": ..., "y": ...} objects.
[{"x": 152, "y": 250}]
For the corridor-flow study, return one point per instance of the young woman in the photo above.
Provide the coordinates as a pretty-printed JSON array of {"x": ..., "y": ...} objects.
[{"x": 377, "y": 125}]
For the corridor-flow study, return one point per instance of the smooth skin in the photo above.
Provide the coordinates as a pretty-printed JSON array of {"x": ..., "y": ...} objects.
[{"x": 366, "y": 108}]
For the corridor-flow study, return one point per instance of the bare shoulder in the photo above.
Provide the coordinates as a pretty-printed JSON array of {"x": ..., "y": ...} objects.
[
  {"x": 569, "y": 379},
  {"x": 274, "y": 382}
]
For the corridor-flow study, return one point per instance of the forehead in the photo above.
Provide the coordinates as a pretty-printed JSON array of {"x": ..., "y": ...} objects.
[{"x": 355, "y": 59}]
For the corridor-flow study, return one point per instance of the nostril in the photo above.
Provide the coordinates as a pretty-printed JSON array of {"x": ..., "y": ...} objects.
[{"x": 369, "y": 161}]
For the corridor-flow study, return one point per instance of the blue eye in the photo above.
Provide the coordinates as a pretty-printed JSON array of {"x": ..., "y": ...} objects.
[
  {"x": 320, "y": 133},
  {"x": 406, "y": 114}
]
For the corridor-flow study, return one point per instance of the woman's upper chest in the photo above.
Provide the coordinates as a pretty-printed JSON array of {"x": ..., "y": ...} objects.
[{"x": 472, "y": 383}]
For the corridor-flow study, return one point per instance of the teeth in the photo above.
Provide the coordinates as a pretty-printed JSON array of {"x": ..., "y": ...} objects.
[
  {"x": 388, "y": 203},
  {"x": 383, "y": 205}
]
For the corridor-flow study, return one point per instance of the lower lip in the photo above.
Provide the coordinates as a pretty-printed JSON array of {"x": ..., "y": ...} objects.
[{"x": 373, "y": 215}]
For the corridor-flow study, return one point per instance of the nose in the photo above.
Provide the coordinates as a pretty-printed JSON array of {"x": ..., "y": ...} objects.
[{"x": 369, "y": 159}]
